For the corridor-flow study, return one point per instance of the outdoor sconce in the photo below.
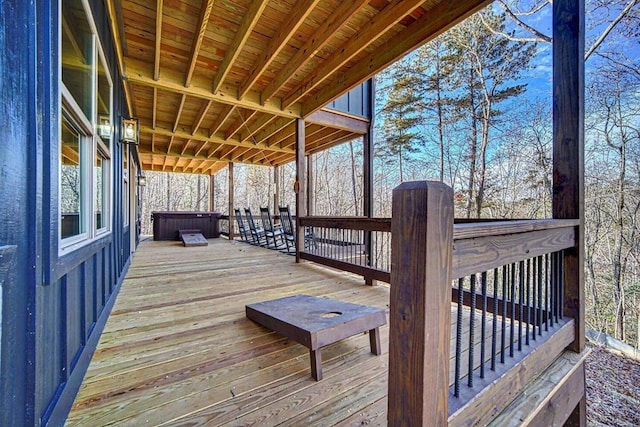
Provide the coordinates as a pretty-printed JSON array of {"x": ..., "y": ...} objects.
[
  {"x": 142, "y": 181},
  {"x": 130, "y": 131},
  {"x": 104, "y": 127}
]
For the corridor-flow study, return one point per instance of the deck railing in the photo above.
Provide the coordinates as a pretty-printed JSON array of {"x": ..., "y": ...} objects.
[
  {"x": 359, "y": 245},
  {"x": 476, "y": 308},
  {"x": 508, "y": 325}
]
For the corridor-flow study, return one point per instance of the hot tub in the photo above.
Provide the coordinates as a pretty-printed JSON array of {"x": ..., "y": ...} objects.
[{"x": 167, "y": 224}]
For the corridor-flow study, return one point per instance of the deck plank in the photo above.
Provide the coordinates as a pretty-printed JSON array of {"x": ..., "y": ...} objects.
[{"x": 178, "y": 349}]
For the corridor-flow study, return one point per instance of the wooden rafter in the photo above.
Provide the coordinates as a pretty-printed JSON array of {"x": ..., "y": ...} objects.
[
  {"x": 439, "y": 19},
  {"x": 292, "y": 22},
  {"x": 202, "y": 136},
  {"x": 393, "y": 13},
  {"x": 204, "y": 109},
  {"x": 185, "y": 146},
  {"x": 219, "y": 121},
  {"x": 241, "y": 120},
  {"x": 205, "y": 12},
  {"x": 154, "y": 108},
  {"x": 270, "y": 129},
  {"x": 172, "y": 81},
  {"x": 327, "y": 29},
  {"x": 249, "y": 21},
  {"x": 117, "y": 29},
  {"x": 255, "y": 127},
  {"x": 158, "y": 51},
  {"x": 179, "y": 112}
]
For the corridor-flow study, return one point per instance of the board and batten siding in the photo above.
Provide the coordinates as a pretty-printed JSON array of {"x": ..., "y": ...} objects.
[
  {"x": 54, "y": 307},
  {"x": 356, "y": 102}
]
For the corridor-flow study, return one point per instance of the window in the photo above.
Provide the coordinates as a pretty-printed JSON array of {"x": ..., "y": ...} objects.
[{"x": 85, "y": 136}]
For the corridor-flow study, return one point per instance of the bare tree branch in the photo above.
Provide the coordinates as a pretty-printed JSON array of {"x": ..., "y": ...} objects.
[
  {"x": 505, "y": 35},
  {"x": 610, "y": 28},
  {"x": 539, "y": 36}
]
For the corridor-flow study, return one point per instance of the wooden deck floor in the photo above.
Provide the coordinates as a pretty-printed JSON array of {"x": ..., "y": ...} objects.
[{"x": 178, "y": 350}]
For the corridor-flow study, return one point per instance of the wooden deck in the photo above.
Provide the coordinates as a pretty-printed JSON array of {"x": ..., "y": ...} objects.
[{"x": 178, "y": 349}]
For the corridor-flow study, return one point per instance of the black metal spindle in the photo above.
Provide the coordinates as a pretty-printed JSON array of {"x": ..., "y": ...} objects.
[
  {"x": 456, "y": 385},
  {"x": 472, "y": 327},
  {"x": 527, "y": 313},
  {"x": 561, "y": 287},
  {"x": 483, "y": 332},
  {"x": 553, "y": 285},
  {"x": 504, "y": 312},
  {"x": 534, "y": 299},
  {"x": 495, "y": 319},
  {"x": 512, "y": 299},
  {"x": 539, "y": 309},
  {"x": 521, "y": 273}
]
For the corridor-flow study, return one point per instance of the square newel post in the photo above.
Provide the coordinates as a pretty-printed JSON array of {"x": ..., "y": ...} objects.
[
  {"x": 299, "y": 186},
  {"x": 420, "y": 308}
]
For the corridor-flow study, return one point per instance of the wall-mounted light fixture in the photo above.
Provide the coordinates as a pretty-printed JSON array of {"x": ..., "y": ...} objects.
[
  {"x": 130, "y": 131},
  {"x": 142, "y": 180},
  {"x": 104, "y": 126}
]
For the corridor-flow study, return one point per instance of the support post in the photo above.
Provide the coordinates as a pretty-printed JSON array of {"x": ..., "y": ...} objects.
[
  {"x": 568, "y": 160},
  {"x": 276, "y": 194},
  {"x": 212, "y": 193},
  {"x": 299, "y": 186},
  {"x": 231, "y": 216},
  {"x": 310, "y": 186},
  {"x": 367, "y": 177},
  {"x": 568, "y": 149},
  {"x": 420, "y": 304}
]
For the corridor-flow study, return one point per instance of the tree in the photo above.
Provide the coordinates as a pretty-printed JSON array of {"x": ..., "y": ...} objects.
[{"x": 489, "y": 68}]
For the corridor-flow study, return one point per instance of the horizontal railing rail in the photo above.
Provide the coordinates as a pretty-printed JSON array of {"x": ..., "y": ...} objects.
[{"x": 358, "y": 245}]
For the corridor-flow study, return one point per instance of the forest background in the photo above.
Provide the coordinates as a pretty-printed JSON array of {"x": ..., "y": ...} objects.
[{"x": 472, "y": 108}]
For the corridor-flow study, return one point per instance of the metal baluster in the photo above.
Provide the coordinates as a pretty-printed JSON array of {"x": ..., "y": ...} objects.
[
  {"x": 504, "y": 311},
  {"x": 561, "y": 287},
  {"x": 495, "y": 319},
  {"x": 472, "y": 327},
  {"x": 512, "y": 299},
  {"x": 553, "y": 285},
  {"x": 539, "y": 308},
  {"x": 520, "y": 302},
  {"x": 483, "y": 334},
  {"x": 528, "y": 298},
  {"x": 534, "y": 298},
  {"x": 456, "y": 385}
]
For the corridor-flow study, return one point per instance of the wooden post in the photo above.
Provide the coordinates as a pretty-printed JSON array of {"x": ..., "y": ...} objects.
[
  {"x": 276, "y": 194},
  {"x": 420, "y": 304},
  {"x": 568, "y": 160},
  {"x": 367, "y": 177},
  {"x": 212, "y": 193},
  {"x": 299, "y": 186},
  {"x": 231, "y": 216},
  {"x": 310, "y": 195},
  {"x": 568, "y": 148}
]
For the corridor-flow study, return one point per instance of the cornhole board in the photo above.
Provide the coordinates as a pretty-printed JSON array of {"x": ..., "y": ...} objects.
[
  {"x": 192, "y": 238},
  {"x": 316, "y": 322}
]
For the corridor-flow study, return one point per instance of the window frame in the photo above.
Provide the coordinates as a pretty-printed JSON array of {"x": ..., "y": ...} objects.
[{"x": 93, "y": 146}]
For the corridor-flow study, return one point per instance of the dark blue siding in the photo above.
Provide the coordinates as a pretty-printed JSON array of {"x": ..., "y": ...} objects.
[
  {"x": 357, "y": 101},
  {"x": 54, "y": 308}
]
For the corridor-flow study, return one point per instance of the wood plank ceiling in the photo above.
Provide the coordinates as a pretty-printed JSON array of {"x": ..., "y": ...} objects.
[{"x": 214, "y": 81}]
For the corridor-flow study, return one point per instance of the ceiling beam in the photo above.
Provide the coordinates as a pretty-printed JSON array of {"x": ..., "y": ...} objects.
[
  {"x": 393, "y": 13},
  {"x": 201, "y": 115},
  {"x": 219, "y": 121},
  {"x": 179, "y": 113},
  {"x": 154, "y": 108},
  {"x": 320, "y": 36},
  {"x": 334, "y": 119},
  {"x": 434, "y": 22},
  {"x": 248, "y": 22},
  {"x": 242, "y": 120},
  {"x": 272, "y": 128},
  {"x": 202, "y": 136},
  {"x": 205, "y": 12},
  {"x": 176, "y": 155},
  {"x": 138, "y": 72},
  {"x": 158, "y": 51},
  {"x": 255, "y": 127},
  {"x": 117, "y": 29},
  {"x": 292, "y": 22}
]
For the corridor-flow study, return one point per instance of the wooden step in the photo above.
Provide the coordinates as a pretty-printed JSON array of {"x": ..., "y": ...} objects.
[{"x": 550, "y": 399}]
